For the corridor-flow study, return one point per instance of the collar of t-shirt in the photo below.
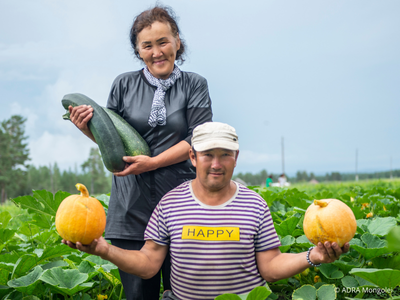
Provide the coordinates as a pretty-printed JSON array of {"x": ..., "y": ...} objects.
[{"x": 213, "y": 206}]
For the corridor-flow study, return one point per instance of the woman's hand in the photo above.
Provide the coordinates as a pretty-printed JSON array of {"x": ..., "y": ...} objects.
[
  {"x": 98, "y": 247},
  {"x": 80, "y": 116},
  {"x": 327, "y": 252},
  {"x": 137, "y": 165}
]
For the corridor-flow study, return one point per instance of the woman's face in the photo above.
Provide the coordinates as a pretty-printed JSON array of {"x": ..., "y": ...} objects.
[{"x": 157, "y": 47}]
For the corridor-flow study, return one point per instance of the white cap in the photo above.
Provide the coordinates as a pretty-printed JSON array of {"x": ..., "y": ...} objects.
[{"x": 212, "y": 135}]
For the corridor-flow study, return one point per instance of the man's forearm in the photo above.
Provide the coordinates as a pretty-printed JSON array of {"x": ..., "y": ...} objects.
[
  {"x": 131, "y": 261},
  {"x": 282, "y": 266}
]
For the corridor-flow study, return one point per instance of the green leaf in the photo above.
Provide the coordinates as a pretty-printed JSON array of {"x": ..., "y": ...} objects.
[
  {"x": 385, "y": 278},
  {"x": 9, "y": 258},
  {"x": 31, "y": 297},
  {"x": 349, "y": 282},
  {"x": 287, "y": 227},
  {"x": 303, "y": 241},
  {"x": 30, "y": 203},
  {"x": 4, "y": 276},
  {"x": 358, "y": 213},
  {"x": 24, "y": 264},
  {"x": 286, "y": 242},
  {"x": 331, "y": 271},
  {"x": 5, "y": 218},
  {"x": 42, "y": 221},
  {"x": 363, "y": 224},
  {"x": 104, "y": 200},
  {"x": 66, "y": 281},
  {"x": 14, "y": 295},
  {"x": 392, "y": 262},
  {"x": 327, "y": 292},
  {"x": 259, "y": 293},
  {"x": 86, "y": 267},
  {"x": 70, "y": 263},
  {"x": 6, "y": 235},
  {"x": 42, "y": 202},
  {"x": 306, "y": 292},
  {"x": 381, "y": 226},
  {"x": 97, "y": 260},
  {"x": 393, "y": 239},
  {"x": 46, "y": 199},
  {"x": 54, "y": 264},
  {"x": 373, "y": 246},
  {"x": 355, "y": 241},
  {"x": 26, "y": 284},
  {"x": 364, "y": 283},
  {"x": 296, "y": 198},
  {"x": 46, "y": 237},
  {"x": 55, "y": 251},
  {"x": 58, "y": 198},
  {"x": 345, "y": 267},
  {"x": 29, "y": 229},
  {"x": 228, "y": 297},
  {"x": 297, "y": 232},
  {"x": 4, "y": 290}
]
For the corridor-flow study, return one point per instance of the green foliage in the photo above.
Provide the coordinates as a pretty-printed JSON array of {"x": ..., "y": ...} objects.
[
  {"x": 352, "y": 276},
  {"x": 50, "y": 178},
  {"x": 34, "y": 264},
  {"x": 13, "y": 155}
]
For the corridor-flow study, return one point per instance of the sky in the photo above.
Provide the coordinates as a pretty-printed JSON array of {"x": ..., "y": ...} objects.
[{"x": 321, "y": 76}]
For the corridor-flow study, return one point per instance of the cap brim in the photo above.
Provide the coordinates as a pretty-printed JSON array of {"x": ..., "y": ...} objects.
[{"x": 212, "y": 144}]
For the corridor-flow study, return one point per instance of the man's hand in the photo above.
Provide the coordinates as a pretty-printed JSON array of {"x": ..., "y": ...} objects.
[
  {"x": 137, "y": 165},
  {"x": 328, "y": 252},
  {"x": 98, "y": 247}
]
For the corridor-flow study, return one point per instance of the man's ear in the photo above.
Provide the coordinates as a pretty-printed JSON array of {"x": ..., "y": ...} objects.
[
  {"x": 192, "y": 157},
  {"x": 237, "y": 155}
]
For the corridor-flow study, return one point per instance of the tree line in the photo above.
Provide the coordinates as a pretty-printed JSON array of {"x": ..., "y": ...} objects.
[
  {"x": 302, "y": 176},
  {"x": 18, "y": 177}
]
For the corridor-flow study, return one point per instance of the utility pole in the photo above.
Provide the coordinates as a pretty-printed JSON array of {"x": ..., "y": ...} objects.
[
  {"x": 356, "y": 164},
  {"x": 283, "y": 158}
]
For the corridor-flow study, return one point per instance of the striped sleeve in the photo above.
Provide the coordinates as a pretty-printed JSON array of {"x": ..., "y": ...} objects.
[
  {"x": 156, "y": 229},
  {"x": 266, "y": 238}
]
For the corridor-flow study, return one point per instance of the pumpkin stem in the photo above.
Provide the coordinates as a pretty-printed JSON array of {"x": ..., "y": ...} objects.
[
  {"x": 320, "y": 203},
  {"x": 80, "y": 187}
]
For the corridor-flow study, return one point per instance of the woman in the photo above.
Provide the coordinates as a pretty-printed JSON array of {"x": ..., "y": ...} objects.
[{"x": 163, "y": 104}]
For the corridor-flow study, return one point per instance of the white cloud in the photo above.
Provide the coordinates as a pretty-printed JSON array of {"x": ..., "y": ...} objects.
[
  {"x": 31, "y": 117},
  {"x": 66, "y": 150},
  {"x": 248, "y": 157}
]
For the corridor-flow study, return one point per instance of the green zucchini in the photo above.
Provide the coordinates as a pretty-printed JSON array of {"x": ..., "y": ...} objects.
[
  {"x": 133, "y": 142},
  {"x": 106, "y": 136}
]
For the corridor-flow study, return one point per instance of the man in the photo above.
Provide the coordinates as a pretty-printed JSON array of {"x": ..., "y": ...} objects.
[{"x": 220, "y": 234}]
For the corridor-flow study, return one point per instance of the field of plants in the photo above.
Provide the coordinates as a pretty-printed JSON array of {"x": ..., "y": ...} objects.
[{"x": 34, "y": 264}]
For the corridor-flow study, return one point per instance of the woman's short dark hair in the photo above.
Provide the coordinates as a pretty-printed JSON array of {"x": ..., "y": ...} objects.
[{"x": 158, "y": 13}]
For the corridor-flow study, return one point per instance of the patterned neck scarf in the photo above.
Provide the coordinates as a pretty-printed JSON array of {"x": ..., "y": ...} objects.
[{"x": 158, "y": 113}]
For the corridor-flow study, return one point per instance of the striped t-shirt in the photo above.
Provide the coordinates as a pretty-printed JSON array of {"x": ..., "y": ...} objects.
[{"x": 212, "y": 247}]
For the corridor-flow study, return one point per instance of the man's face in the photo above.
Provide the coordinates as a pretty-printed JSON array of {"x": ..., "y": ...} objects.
[{"x": 214, "y": 168}]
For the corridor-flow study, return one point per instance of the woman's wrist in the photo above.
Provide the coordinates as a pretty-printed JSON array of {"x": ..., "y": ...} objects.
[{"x": 154, "y": 163}]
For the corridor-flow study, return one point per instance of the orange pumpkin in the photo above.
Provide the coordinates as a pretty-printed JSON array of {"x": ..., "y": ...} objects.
[
  {"x": 329, "y": 220},
  {"x": 80, "y": 218}
]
